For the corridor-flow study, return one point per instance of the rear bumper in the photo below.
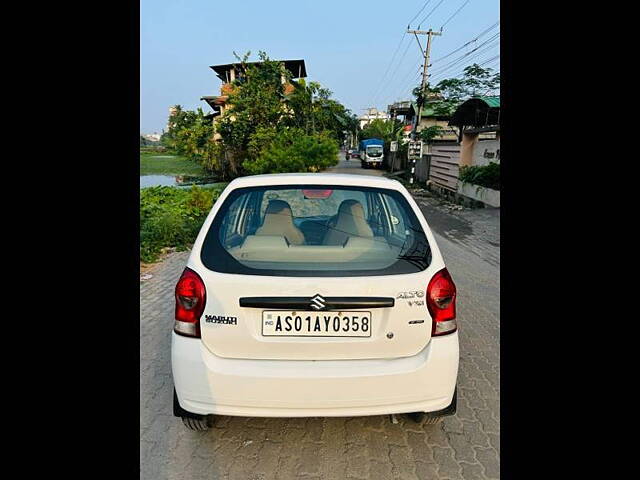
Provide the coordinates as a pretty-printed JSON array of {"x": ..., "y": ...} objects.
[{"x": 208, "y": 384}]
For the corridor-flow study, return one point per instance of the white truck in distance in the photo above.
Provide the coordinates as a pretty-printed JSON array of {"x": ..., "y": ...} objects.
[{"x": 371, "y": 152}]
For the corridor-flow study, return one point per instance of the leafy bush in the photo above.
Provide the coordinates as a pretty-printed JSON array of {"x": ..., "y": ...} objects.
[
  {"x": 429, "y": 133},
  {"x": 172, "y": 217},
  {"x": 293, "y": 151},
  {"x": 152, "y": 149},
  {"x": 485, "y": 176}
]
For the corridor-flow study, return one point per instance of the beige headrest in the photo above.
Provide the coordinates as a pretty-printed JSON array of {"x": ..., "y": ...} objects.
[
  {"x": 278, "y": 220},
  {"x": 350, "y": 223}
]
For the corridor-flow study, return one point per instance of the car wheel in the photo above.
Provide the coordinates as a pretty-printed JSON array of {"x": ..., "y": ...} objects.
[
  {"x": 191, "y": 420},
  {"x": 196, "y": 424}
]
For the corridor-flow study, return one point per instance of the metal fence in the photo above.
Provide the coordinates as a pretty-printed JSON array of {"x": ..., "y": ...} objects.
[
  {"x": 440, "y": 165},
  {"x": 445, "y": 161}
]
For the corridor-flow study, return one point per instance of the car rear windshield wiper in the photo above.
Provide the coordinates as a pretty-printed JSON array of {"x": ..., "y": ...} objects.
[{"x": 420, "y": 261}]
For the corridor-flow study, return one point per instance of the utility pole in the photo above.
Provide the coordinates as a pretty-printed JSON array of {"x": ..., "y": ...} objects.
[
  {"x": 423, "y": 88},
  {"x": 426, "y": 54}
]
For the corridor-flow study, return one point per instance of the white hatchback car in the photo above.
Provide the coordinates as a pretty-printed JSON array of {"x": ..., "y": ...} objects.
[{"x": 310, "y": 295}]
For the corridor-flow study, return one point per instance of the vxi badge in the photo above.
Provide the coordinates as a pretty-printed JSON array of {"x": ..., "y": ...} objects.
[{"x": 220, "y": 319}]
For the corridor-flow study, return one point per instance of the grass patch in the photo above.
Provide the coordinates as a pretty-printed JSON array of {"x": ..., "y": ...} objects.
[
  {"x": 152, "y": 163},
  {"x": 172, "y": 217}
]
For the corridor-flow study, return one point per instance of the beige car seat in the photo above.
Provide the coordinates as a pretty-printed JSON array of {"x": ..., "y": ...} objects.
[
  {"x": 278, "y": 220},
  {"x": 350, "y": 223}
]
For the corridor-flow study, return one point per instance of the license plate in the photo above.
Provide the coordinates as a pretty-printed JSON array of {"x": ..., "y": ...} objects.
[{"x": 282, "y": 323}]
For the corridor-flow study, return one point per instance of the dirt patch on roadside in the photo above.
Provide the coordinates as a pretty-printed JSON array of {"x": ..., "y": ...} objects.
[{"x": 147, "y": 269}]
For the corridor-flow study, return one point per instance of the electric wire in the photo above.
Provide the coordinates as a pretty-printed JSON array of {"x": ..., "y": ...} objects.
[
  {"x": 477, "y": 37},
  {"x": 376, "y": 91},
  {"x": 456, "y": 13},
  {"x": 443, "y": 74},
  {"x": 393, "y": 73},
  {"x": 483, "y": 47},
  {"x": 466, "y": 54},
  {"x": 406, "y": 86},
  {"x": 419, "y": 12},
  {"x": 461, "y": 73},
  {"x": 428, "y": 14}
]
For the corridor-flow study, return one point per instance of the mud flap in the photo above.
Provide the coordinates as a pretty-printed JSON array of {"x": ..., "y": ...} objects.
[
  {"x": 178, "y": 411},
  {"x": 445, "y": 412}
]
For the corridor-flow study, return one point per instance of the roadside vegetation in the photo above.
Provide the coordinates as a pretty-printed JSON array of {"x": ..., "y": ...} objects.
[
  {"x": 162, "y": 163},
  {"x": 487, "y": 176},
  {"x": 171, "y": 217},
  {"x": 156, "y": 149}
]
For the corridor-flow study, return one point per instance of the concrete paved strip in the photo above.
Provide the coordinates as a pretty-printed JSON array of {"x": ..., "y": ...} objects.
[{"x": 465, "y": 446}]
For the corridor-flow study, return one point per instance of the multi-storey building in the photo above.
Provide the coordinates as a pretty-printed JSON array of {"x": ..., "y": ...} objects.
[{"x": 229, "y": 72}]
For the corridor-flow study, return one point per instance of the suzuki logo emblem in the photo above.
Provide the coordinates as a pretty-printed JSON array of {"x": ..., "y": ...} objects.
[{"x": 317, "y": 302}]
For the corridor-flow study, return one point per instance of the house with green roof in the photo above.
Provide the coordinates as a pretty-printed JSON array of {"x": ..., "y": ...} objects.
[
  {"x": 477, "y": 121},
  {"x": 477, "y": 114},
  {"x": 429, "y": 117}
]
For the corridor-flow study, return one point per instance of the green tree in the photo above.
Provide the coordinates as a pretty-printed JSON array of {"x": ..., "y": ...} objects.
[
  {"x": 256, "y": 105},
  {"x": 292, "y": 150},
  {"x": 478, "y": 80},
  {"x": 450, "y": 92},
  {"x": 386, "y": 130},
  {"x": 304, "y": 104},
  {"x": 311, "y": 109},
  {"x": 428, "y": 134},
  {"x": 263, "y": 112},
  {"x": 189, "y": 134},
  {"x": 180, "y": 125}
]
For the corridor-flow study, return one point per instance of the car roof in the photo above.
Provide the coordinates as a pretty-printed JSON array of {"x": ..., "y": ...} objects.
[{"x": 315, "y": 179}]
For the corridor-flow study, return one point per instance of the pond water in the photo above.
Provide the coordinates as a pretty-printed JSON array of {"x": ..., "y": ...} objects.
[
  {"x": 155, "y": 180},
  {"x": 173, "y": 181}
]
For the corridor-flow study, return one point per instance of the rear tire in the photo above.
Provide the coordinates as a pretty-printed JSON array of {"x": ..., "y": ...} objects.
[
  {"x": 196, "y": 424},
  {"x": 192, "y": 421}
]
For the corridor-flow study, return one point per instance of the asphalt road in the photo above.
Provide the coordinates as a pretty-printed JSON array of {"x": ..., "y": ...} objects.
[
  {"x": 464, "y": 446},
  {"x": 353, "y": 166}
]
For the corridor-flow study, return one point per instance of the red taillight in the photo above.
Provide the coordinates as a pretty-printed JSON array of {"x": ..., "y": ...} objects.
[
  {"x": 441, "y": 302},
  {"x": 190, "y": 300}
]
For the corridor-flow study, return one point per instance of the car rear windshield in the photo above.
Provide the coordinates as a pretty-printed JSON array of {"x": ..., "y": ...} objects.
[{"x": 315, "y": 230}]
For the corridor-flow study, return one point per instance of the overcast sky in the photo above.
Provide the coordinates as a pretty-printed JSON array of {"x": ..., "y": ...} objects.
[{"x": 347, "y": 46}]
